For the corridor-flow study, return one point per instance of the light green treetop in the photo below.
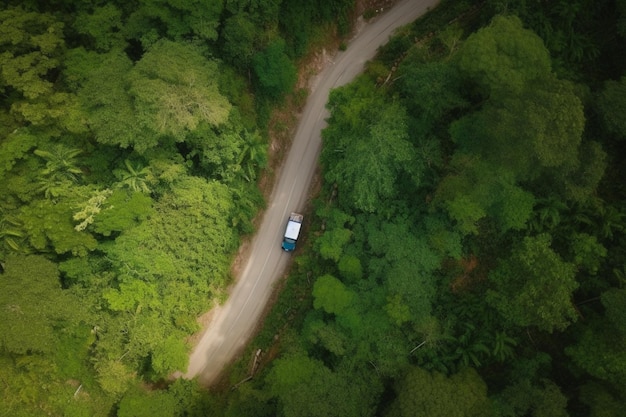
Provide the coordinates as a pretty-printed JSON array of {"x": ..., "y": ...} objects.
[
  {"x": 175, "y": 89},
  {"x": 503, "y": 57},
  {"x": 166, "y": 95}
]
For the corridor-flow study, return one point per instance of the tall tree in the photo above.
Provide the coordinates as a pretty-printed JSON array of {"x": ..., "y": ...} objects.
[
  {"x": 533, "y": 287},
  {"x": 102, "y": 26},
  {"x": 433, "y": 394},
  {"x": 366, "y": 147},
  {"x": 169, "y": 93},
  {"x": 275, "y": 72},
  {"x": 539, "y": 127},
  {"x": 262, "y": 12},
  {"x": 332, "y": 296},
  {"x": 476, "y": 189},
  {"x": 239, "y": 41},
  {"x": 599, "y": 348},
  {"x": 32, "y": 46},
  {"x": 523, "y": 398},
  {"x": 178, "y": 20},
  {"x": 611, "y": 104},
  {"x": 102, "y": 83},
  {"x": 34, "y": 307},
  {"x": 175, "y": 90},
  {"x": 503, "y": 57},
  {"x": 306, "y": 387},
  {"x": 432, "y": 90}
]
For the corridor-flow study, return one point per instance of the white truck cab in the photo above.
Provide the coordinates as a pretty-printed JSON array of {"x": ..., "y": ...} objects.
[{"x": 292, "y": 231}]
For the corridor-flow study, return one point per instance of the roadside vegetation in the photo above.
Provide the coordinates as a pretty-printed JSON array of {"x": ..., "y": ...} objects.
[
  {"x": 132, "y": 138},
  {"x": 466, "y": 251}
]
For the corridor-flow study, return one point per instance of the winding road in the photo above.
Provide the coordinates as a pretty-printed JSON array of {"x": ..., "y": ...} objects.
[{"x": 233, "y": 323}]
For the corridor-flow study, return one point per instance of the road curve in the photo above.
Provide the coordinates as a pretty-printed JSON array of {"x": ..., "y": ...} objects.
[{"x": 232, "y": 324}]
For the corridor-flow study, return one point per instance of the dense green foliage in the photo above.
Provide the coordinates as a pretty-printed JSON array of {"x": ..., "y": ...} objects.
[
  {"x": 468, "y": 247},
  {"x": 130, "y": 147},
  {"x": 469, "y": 252}
]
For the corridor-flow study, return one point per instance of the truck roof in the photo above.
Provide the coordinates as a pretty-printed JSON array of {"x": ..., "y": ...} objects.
[{"x": 293, "y": 229}]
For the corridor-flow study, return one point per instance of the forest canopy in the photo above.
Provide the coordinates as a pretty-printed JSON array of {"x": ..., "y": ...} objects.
[
  {"x": 467, "y": 254},
  {"x": 132, "y": 136},
  {"x": 466, "y": 249}
]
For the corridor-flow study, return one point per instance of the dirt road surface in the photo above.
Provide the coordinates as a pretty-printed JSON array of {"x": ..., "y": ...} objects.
[{"x": 232, "y": 323}]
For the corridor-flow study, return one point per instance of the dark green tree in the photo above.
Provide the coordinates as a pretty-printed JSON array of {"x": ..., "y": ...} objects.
[
  {"x": 539, "y": 127},
  {"x": 155, "y": 19},
  {"x": 239, "y": 41},
  {"x": 366, "y": 147},
  {"x": 32, "y": 46},
  {"x": 275, "y": 72},
  {"x": 598, "y": 349},
  {"x": 168, "y": 94},
  {"x": 528, "y": 391},
  {"x": 34, "y": 307},
  {"x": 524, "y": 398},
  {"x": 476, "y": 189},
  {"x": 432, "y": 91},
  {"x": 601, "y": 402},
  {"x": 433, "y": 394},
  {"x": 610, "y": 104},
  {"x": 103, "y": 92},
  {"x": 306, "y": 387},
  {"x": 262, "y": 12},
  {"x": 533, "y": 287},
  {"x": 102, "y": 26},
  {"x": 143, "y": 404},
  {"x": 503, "y": 57}
]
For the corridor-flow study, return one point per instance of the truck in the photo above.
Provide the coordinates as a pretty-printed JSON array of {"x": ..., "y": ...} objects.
[{"x": 292, "y": 231}]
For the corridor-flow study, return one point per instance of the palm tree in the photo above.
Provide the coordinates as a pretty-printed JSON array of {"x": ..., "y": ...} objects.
[
  {"x": 246, "y": 202},
  {"x": 61, "y": 169},
  {"x": 547, "y": 214},
  {"x": 252, "y": 157},
  {"x": 134, "y": 177},
  {"x": 503, "y": 346},
  {"x": 469, "y": 349},
  {"x": 620, "y": 275},
  {"x": 603, "y": 219},
  {"x": 52, "y": 187},
  {"x": 60, "y": 162},
  {"x": 610, "y": 220},
  {"x": 11, "y": 233}
]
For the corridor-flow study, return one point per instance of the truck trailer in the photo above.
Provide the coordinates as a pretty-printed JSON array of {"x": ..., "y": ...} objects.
[{"x": 292, "y": 231}]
